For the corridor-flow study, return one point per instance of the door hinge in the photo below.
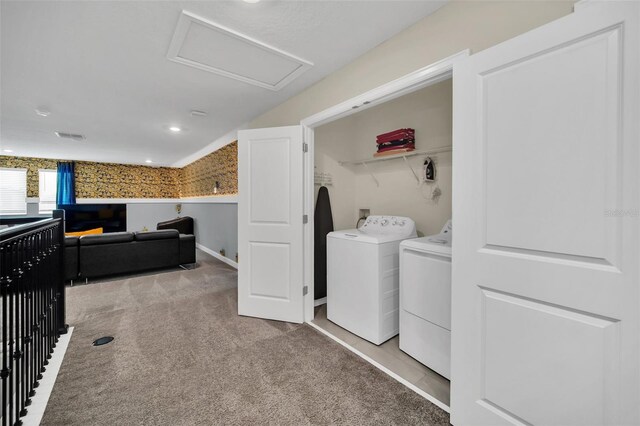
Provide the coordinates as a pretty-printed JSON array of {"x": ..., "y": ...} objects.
[
  {"x": 305, "y": 290},
  {"x": 305, "y": 219},
  {"x": 305, "y": 147}
]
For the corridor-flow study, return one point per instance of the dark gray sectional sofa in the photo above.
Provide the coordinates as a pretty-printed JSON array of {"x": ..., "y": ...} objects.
[{"x": 126, "y": 252}]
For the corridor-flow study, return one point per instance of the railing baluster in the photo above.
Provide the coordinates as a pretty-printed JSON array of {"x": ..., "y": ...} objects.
[
  {"x": 24, "y": 395},
  {"x": 32, "y": 291},
  {"x": 11, "y": 325},
  {"x": 4, "y": 287},
  {"x": 17, "y": 353}
]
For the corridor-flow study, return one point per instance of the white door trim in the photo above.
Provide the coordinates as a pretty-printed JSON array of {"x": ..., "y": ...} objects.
[
  {"x": 411, "y": 82},
  {"x": 416, "y": 80}
]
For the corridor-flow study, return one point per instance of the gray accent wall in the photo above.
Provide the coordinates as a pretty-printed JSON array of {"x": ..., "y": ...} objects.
[
  {"x": 141, "y": 215},
  {"x": 216, "y": 224}
]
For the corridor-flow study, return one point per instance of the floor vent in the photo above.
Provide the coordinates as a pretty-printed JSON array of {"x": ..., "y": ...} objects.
[{"x": 102, "y": 341}]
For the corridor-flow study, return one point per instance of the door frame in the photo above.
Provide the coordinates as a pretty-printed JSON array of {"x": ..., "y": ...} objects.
[{"x": 416, "y": 80}]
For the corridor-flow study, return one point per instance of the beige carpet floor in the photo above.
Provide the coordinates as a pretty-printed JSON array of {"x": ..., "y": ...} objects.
[{"x": 182, "y": 356}]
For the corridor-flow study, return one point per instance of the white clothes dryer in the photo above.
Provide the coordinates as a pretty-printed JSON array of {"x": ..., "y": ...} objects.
[{"x": 425, "y": 300}]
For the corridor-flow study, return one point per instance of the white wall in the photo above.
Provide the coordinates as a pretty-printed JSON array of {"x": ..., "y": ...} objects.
[
  {"x": 33, "y": 208},
  {"x": 457, "y": 26},
  {"x": 147, "y": 215},
  {"x": 429, "y": 112},
  {"x": 216, "y": 224}
]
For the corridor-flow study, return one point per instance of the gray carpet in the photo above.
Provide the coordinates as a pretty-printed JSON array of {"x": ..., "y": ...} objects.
[{"x": 182, "y": 356}]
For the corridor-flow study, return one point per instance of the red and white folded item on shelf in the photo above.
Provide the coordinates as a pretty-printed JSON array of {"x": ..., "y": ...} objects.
[
  {"x": 395, "y": 151},
  {"x": 396, "y": 135},
  {"x": 404, "y": 146},
  {"x": 398, "y": 142}
]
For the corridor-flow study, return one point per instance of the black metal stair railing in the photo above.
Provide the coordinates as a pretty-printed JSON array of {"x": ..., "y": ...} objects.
[{"x": 32, "y": 310}]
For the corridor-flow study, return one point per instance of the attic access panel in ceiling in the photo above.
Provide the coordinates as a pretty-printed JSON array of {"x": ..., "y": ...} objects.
[{"x": 208, "y": 46}]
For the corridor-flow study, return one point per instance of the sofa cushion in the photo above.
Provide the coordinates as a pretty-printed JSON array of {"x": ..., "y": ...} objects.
[
  {"x": 71, "y": 260},
  {"x": 156, "y": 235},
  {"x": 98, "y": 260},
  {"x": 110, "y": 238},
  {"x": 71, "y": 241},
  {"x": 184, "y": 225}
]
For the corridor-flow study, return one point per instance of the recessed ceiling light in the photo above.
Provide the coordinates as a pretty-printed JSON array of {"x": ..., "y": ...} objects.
[
  {"x": 43, "y": 112},
  {"x": 175, "y": 129},
  {"x": 148, "y": 161},
  {"x": 7, "y": 150}
]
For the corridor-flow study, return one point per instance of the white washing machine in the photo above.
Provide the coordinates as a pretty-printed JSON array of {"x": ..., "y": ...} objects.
[
  {"x": 362, "y": 276},
  {"x": 425, "y": 300}
]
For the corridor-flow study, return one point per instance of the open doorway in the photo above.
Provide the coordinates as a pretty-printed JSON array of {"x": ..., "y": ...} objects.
[
  {"x": 395, "y": 186},
  {"x": 360, "y": 185}
]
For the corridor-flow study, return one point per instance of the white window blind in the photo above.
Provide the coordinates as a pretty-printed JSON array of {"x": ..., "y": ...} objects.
[
  {"x": 48, "y": 181},
  {"x": 13, "y": 191}
]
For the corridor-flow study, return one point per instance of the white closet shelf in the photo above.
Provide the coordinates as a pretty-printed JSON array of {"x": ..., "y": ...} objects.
[
  {"x": 404, "y": 156},
  {"x": 395, "y": 157}
]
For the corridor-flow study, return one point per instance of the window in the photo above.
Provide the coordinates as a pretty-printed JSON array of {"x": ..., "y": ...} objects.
[
  {"x": 48, "y": 180},
  {"x": 13, "y": 191}
]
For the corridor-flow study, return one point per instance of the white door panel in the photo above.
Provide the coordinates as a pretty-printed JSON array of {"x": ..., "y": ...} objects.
[
  {"x": 269, "y": 167},
  {"x": 270, "y": 224},
  {"x": 542, "y": 187},
  {"x": 545, "y": 323}
]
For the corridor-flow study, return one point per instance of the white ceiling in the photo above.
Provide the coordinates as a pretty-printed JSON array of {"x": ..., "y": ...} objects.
[{"x": 100, "y": 67}]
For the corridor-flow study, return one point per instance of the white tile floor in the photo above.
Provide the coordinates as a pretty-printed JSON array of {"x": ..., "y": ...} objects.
[{"x": 390, "y": 356}]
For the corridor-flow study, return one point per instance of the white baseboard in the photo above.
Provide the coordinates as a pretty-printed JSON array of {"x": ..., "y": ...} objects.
[
  {"x": 321, "y": 301},
  {"x": 217, "y": 255},
  {"x": 381, "y": 367},
  {"x": 41, "y": 398}
]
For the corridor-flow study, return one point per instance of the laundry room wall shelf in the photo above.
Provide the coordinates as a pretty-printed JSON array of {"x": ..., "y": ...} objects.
[{"x": 404, "y": 156}]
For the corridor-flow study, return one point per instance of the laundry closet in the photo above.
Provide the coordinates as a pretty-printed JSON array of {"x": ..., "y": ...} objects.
[{"x": 406, "y": 189}]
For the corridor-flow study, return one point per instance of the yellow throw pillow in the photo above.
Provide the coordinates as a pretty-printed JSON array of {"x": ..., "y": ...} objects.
[{"x": 81, "y": 233}]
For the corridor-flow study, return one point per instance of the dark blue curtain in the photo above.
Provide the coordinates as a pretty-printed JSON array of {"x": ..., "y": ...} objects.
[{"x": 66, "y": 191}]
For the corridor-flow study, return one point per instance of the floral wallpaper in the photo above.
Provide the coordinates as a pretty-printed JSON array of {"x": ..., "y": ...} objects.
[
  {"x": 199, "y": 178},
  {"x": 110, "y": 180}
]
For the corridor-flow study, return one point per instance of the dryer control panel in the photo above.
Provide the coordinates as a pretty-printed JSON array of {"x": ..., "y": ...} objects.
[{"x": 389, "y": 225}]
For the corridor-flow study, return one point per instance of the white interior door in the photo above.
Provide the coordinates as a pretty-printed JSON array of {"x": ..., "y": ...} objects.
[
  {"x": 545, "y": 323},
  {"x": 270, "y": 209}
]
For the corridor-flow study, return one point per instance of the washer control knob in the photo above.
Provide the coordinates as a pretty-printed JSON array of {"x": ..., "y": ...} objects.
[{"x": 384, "y": 222}]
